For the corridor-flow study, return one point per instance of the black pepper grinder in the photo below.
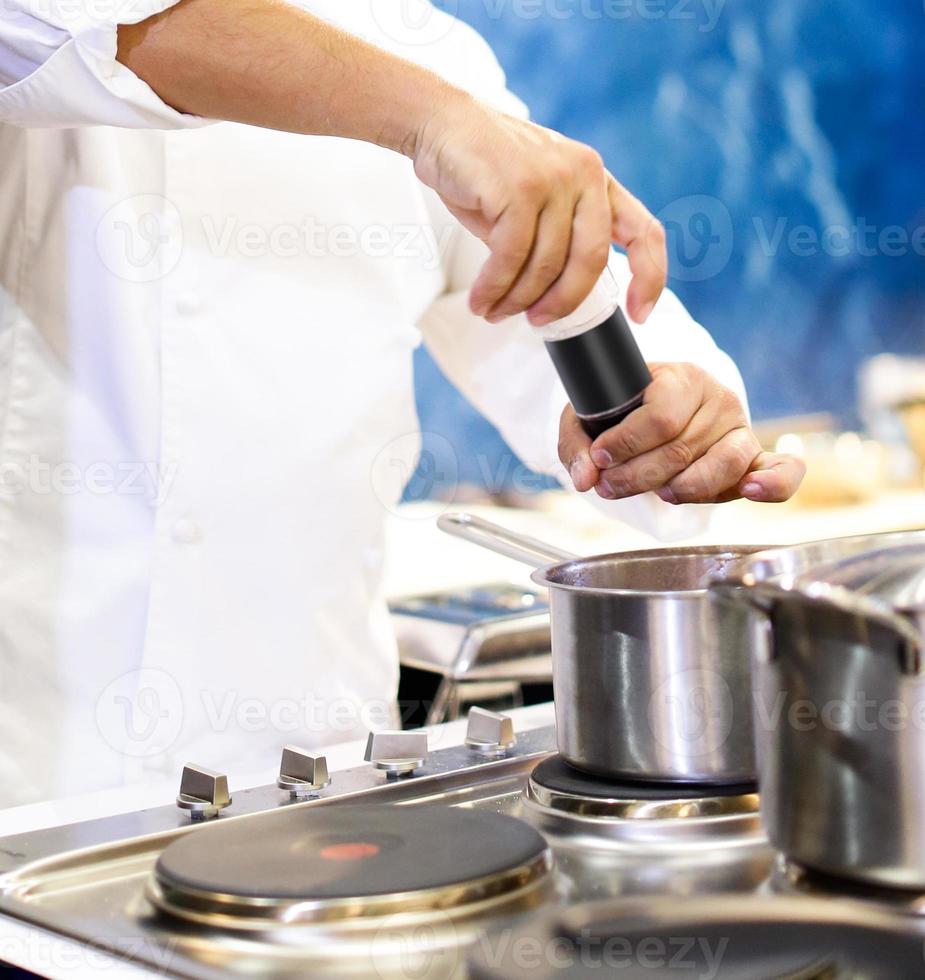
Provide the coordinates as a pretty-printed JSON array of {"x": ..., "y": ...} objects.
[{"x": 598, "y": 360}]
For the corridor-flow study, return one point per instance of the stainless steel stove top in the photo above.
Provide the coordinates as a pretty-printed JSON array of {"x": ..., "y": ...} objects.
[{"x": 93, "y": 881}]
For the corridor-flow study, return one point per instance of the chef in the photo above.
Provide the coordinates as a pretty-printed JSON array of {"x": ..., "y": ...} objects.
[{"x": 206, "y": 338}]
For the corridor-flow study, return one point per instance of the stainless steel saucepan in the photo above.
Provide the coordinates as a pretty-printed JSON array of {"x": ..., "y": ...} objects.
[
  {"x": 840, "y": 703},
  {"x": 651, "y": 674}
]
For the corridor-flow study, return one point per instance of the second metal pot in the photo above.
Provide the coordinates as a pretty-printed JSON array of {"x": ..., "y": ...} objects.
[
  {"x": 651, "y": 674},
  {"x": 840, "y": 704}
]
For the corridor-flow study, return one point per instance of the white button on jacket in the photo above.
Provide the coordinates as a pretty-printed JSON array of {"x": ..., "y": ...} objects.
[{"x": 206, "y": 407}]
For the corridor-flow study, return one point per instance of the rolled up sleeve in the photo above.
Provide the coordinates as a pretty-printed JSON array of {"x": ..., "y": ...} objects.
[{"x": 58, "y": 66}]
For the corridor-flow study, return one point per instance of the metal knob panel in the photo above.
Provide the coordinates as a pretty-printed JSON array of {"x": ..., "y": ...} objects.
[
  {"x": 397, "y": 753},
  {"x": 302, "y": 773},
  {"x": 489, "y": 733},
  {"x": 203, "y": 792}
]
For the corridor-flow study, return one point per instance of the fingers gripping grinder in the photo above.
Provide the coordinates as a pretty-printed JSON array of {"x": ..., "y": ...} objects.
[{"x": 598, "y": 360}]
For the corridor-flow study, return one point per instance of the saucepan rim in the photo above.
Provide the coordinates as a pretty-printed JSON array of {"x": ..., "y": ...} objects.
[
  {"x": 541, "y": 576},
  {"x": 878, "y": 540}
]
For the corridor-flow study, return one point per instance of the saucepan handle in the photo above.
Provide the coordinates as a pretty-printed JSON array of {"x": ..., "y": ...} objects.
[{"x": 520, "y": 547}]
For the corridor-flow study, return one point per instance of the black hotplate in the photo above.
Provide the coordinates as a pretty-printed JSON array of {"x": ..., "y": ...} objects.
[
  {"x": 557, "y": 775},
  {"x": 724, "y": 938},
  {"x": 316, "y": 864}
]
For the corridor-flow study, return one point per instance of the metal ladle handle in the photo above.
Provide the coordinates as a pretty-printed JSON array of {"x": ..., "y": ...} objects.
[{"x": 520, "y": 547}]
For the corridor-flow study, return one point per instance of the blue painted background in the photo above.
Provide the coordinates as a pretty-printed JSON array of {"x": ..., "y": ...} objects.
[{"x": 783, "y": 145}]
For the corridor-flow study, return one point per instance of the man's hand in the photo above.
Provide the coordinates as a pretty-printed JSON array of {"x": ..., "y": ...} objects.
[
  {"x": 545, "y": 206},
  {"x": 689, "y": 442}
]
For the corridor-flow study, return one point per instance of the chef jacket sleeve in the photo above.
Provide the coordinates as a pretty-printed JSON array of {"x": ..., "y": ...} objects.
[
  {"x": 58, "y": 66},
  {"x": 505, "y": 372}
]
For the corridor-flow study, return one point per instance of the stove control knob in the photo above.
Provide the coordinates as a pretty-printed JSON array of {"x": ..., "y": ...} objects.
[
  {"x": 301, "y": 773},
  {"x": 203, "y": 792},
  {"x": 489, "y": 733},
  {"x": 397, "y": 753}
]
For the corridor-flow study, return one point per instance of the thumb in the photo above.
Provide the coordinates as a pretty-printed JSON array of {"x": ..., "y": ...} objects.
[
  {"x": 773, "y": 478},
  {"x": 575, "y": 451}
]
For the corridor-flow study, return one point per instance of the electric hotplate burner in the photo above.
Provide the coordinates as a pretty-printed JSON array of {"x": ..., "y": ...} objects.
[
  {"x": 321, "y": 864},
  {"x": 556, "y": 786},
  {"x": 737, "y": 938},
  {"x": 791, "y": 878}
]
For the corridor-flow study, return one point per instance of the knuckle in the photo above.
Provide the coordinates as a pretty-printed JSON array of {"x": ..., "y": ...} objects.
[
  {"x": 679, "y": 454},
  {"x": 530, "y": 183},
  {"x": 513, "y": 253},
  {"x": 561, "y": 172},
  {"x": 600, "y": 255},
  {"x": 695, "y": 382},
  {"x": 595, "y": 255},
  {"x": 717, "y": 471},
  {"x": 692, "y": 370},
  {"x": 663, "y": 424},
  {"x": 729, "y": 403},
  {"x": 656, "y": 233},
  {"x": 627, "y": 443},
  {"x": 626, "y": 483},
  {"x": 649, "y": 476},
  {"x": 548, "y": 267},
  {"x": 679, "y": 372},
  {"x": 749, "y": 439},
  {"x": 589, "y": 159},
  {"x": 743, "y": 452},
  {"x": 699, "y": 484}
]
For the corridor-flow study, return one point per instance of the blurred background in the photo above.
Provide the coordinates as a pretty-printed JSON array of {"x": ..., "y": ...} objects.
[{"x": 782, "y": 146}]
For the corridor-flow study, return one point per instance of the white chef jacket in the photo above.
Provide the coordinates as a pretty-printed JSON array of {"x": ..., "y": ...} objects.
[{"x": 206, "y": 405}]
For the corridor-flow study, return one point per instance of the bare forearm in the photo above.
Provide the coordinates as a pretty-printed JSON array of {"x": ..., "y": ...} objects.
[
  {"x": 544, "y": 204},
  {"x": 267, "y": 63}
]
